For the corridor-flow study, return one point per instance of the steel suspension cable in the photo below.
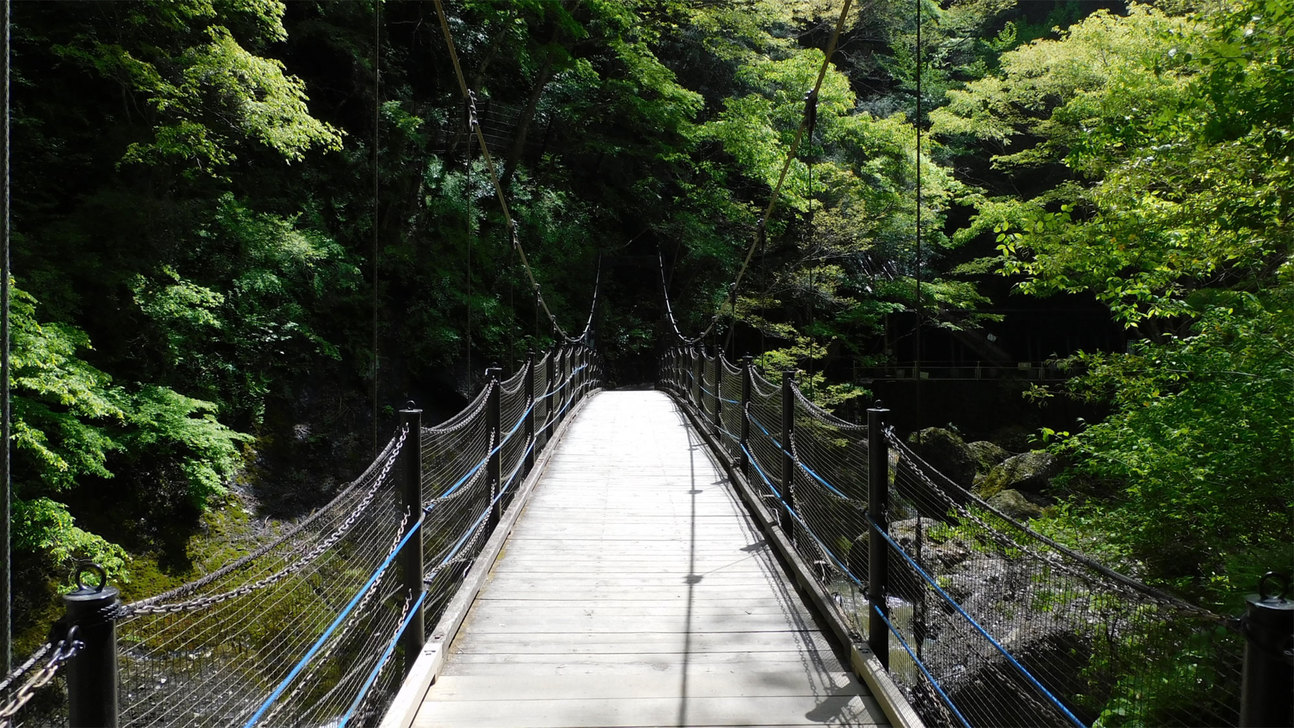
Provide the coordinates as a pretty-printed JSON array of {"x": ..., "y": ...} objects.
[
  {"x": 761, "y": 229},
  {"x": 498, "y": 187}
]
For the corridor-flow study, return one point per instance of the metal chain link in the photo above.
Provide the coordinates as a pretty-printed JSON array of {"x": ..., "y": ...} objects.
[
  {"x": 66, "y": 649},
  {"x": 124, "y": 611},
  {"x": 825, "y": 417},
  {"x": 467, "y": 554},
  {"x": 466, "y": 487},
  {"x": 22, "y": 669},
  {"x": 464, "y": 418}
]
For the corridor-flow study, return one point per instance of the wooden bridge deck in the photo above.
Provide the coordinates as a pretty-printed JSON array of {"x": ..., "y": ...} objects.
[{"x": 635, "y": 591}]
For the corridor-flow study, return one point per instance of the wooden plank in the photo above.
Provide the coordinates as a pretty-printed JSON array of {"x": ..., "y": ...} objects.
[
  {"x": 754, "y": 682},
  {"x": 635, "y": 590},
  {"x": 686, "y": 711},
  {"x": 678, "y": 663}
]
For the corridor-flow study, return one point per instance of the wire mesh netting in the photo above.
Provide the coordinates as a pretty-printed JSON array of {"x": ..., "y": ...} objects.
[
  {"x": 1035, "y": 620},
  {"x": 992, "y": 623},
  {"x": 455, "y": 491},
  {"x": 214, "y": 651},
  {"x": 731, "y": 415},
  {"x": 709, "y": 388},
  {"x": 543, "y": 401},
  {"x": 764, "y": 413},
  {"x": 513, "y": 407}
]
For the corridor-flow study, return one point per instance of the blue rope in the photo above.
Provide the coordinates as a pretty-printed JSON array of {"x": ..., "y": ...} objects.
[
  {"x": 764, "y": 476},
  {"x": 345, "y": 612},
  {"x": 521, "y": 461},
  {"x": 822, "y": 480},
  {"x": 734, "y": 438},
  {"x": 332, "y": 628},
  {"x": 468, "y": 531},
  {"x": 475, "y": 469},
  {"x": 520, "y": 421},
  {"x": 1010, "y": 658},
  {"x": 922, "y": 666},
  {"x": 795, "y": 514},
  {"x": 766, "y": 432},
  {"x": 845, "y": 570},
  {"x": 386, "y": 655}
]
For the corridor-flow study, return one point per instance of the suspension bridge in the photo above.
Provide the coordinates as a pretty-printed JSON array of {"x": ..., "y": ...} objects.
[{"x": 718, "y": 551}]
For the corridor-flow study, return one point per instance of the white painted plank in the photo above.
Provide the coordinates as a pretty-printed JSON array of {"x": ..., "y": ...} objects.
[
  {"x": 846, "y": 709},
  {"x": 755, "y": 682}
]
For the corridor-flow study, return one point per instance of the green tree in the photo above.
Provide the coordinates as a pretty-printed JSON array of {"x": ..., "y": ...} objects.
[
  {"x": 73, "y": 427},
  {"x": 1173, "y": 137}
]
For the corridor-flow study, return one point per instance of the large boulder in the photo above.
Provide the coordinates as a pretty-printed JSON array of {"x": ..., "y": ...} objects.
[
  {"x": 946, "y": 452},
  {"x": 1029, "y": 473},
  {"x": 987, "y": 456},
  {"x": 1014, "y": 504}
]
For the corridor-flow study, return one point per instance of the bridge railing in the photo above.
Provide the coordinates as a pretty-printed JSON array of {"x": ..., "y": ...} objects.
[
  {"x": 318, "y": 626},
  {"x": 978, "y": 618}
]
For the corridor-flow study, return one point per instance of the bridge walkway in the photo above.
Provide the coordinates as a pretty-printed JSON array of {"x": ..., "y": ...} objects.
[{"x": 635, "y": 590}]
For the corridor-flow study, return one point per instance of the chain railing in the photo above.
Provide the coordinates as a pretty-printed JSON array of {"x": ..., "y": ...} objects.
[
  {"x": 319, "y": 626},
  {"x": 976, "y": 617}
]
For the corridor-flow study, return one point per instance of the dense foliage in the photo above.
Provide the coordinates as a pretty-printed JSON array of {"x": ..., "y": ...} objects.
[
  {"x": 245, "y": 229},
  {"x": 1169, "y": 140}
]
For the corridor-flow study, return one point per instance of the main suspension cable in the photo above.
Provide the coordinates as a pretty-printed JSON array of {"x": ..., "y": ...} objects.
[
  {"x": 761, "y": 229},
  {"x": 498, "y": 187}
]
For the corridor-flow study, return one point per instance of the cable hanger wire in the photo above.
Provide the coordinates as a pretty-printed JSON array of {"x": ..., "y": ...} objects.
[
  {"x": 761, "y": 230},
  {"x": 498, "y": 190}
]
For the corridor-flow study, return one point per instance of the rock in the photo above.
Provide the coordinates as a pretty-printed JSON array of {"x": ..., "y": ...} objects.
[
  {"x": 945, "y": 452},
  {"x": 1029, "y": 473},
  {"x": 987, "y": 455},
  {"x": 1014, "y": 504}
]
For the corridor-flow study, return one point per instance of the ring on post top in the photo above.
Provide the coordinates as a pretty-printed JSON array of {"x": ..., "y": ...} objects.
[{"x": 85, "y": 566}]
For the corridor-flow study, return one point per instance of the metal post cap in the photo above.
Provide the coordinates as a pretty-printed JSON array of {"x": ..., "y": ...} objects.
[
  {"x": 86, "y": 593},
  {"x": 1273, "y": 589}
]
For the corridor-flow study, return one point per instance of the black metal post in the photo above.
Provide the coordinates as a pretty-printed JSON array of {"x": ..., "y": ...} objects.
[
  {"x": 1267, "y": 682},
  {"x": 747, "y": 371},
  {"x": 531, "y": 444},
  {"x": 550, "y": 399},
  {"x": 559, "y": 387},
  {"x": 92, "y": 674},
  {"x": 683, "y": 369},
  {"x": 411, "y": 559},
  {"x": 788, "y": 462},
  {"x": 878, "y": 571},
  {"x": 575, "y": 373},
  {"x": 718, "y": 388},
  {"x": 494, "y": 466},
  {"x": 568, "y": 379},
  {"x": 671, "y": 368},
  {"x": 578, "y": 368},
  {"x": 698, "y": 361}
]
